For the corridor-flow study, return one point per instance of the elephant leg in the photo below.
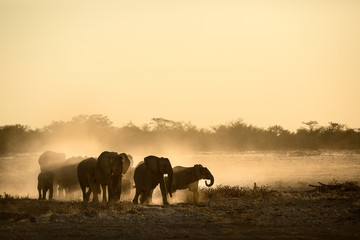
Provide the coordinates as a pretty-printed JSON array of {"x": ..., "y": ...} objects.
[
  {"x": 39, "y": 189},
  {"x": 118, "y": 189},
  {"x": 142, "y": 198},
  {"x": 95, "y": 189},
  {"x": 150, "y": 196},
  {"x": 44, "y": 193},
  {"x": 55, "y": 187},
  {"x": 110, "y": 191},
  {"x": 114, "y": 191},
  {"x": 95, "y": 197},
  {"x": 68, "y": 193},
  {"x": 104, "y": 193},
  {"x": 194, "y": 188},
  {"x": 145, "y": 196},
  {"x": 137, "y": 193},
  {"x": 163, "y": 192},
  {"x": 60, "y": 192},
  {"x": 87, "y": 194},
  {"x": 51, "y": 192},
  {"x": 83, "y": 190}
]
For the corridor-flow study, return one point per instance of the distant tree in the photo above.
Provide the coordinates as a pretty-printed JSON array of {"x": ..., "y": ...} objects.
[
  {"x": 18, "y": 138},
  {"x": 336, "y": 127},
  {"x": 237, "y": 135},
  {"x": 311, "y": 125},
  {"x": 276, "y": 130},
  {"x": 161, "y": 133},
  {"x": 162, "y": 124}
]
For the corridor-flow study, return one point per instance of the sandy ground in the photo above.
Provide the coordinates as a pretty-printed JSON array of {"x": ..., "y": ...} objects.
[{"x": 292, "y": 215}]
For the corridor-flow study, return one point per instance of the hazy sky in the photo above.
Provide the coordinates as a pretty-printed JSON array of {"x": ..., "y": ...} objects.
[{"x": 209, "y": 62}]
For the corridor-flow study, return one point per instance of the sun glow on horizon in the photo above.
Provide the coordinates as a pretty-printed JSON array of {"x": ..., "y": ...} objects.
[{"x": 208, "y": 62}]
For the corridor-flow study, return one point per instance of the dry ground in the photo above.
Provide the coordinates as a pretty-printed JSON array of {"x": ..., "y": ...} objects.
[{"x": 275, "y": 215}]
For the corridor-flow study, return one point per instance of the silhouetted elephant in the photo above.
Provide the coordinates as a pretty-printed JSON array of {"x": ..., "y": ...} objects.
[
  {"x": 64, "y": 171},
  {"x": 66, "y": 180},
  {"x": 86, "y": 177},
  {"x": 148, "y": 175},
  {"x": 188, "y": 178},
  {"x": 66, "y": 176},
  {"x": 73, "y": 160},
  {"x": 45, "y": 183},
  {"x": 49, "y": 160},
  {"x": 108, "y": 171}
]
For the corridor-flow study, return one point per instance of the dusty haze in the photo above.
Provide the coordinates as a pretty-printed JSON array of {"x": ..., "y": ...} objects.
[{"x": 278, "y": 170}]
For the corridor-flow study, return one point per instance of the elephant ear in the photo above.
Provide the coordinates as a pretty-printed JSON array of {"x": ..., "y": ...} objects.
[
  {"x": 152, "y": 163},
  {"x": 131, "y": 160},
  {"x": 105, "y": 160},
  {"x": 126, "y": 162},
  {"x": 164, "y": 165},
  {"x": 197, "y": 169}
]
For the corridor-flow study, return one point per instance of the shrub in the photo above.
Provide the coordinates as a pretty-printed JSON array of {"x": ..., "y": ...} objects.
[{"x": 225, "y": 191}]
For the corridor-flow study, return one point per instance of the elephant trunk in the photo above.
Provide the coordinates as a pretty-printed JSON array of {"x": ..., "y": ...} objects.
[
  {"x": 170, "y": 180},
  {"x": 211, "y": 178}
]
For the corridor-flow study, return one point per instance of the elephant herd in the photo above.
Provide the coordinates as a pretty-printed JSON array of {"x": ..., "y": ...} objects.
[{"x": 111, "y": 173}]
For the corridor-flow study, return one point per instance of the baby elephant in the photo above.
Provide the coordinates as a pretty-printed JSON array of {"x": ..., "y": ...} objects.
[
  {"x": 45, "y": 183},
  {"x": 188, "y": 178}
]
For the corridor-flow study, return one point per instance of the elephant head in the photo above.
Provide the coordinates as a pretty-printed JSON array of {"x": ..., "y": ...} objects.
[
  {"x": 204, "y": 173},
  {"x": 112, "y": 163},
  {"x": 160, "y": 166}
]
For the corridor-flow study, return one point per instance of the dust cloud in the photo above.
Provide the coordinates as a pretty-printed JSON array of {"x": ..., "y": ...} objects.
[{"x": 279, "y": 170}]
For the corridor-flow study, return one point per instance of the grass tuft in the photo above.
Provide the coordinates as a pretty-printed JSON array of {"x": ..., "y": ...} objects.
[{"x": 224, "y": 191}]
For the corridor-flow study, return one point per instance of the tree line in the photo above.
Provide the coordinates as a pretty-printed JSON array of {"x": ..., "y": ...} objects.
[{"x": 161, "y": 133}]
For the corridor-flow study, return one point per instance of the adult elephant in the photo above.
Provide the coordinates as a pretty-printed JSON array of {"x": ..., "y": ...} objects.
[
  {"x": 188, "y": 178},
  {"x": 45, "y": 183},
  {"x": 109, "y": 169},
  {"x": 86, "y": 177},
  {"x": 53, "y": 161},
  {"x": 67, "y": 181},
  {"x": 148, "y": 175},
  {"x": 64, "y": 171}
]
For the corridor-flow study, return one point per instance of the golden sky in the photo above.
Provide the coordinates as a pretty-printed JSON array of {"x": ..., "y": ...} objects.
[{"x": 209, "y": 62}]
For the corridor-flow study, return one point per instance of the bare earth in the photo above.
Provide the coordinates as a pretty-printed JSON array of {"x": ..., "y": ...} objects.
[{"x": 296, "y": 215}]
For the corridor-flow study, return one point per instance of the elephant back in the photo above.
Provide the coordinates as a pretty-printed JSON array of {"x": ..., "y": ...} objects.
[
  {"x": 49, "y": 160},
  {"x": 158, "y": 165},
  {"x": 139, "y": 173},
  {"x": 73, "y": 160}
]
